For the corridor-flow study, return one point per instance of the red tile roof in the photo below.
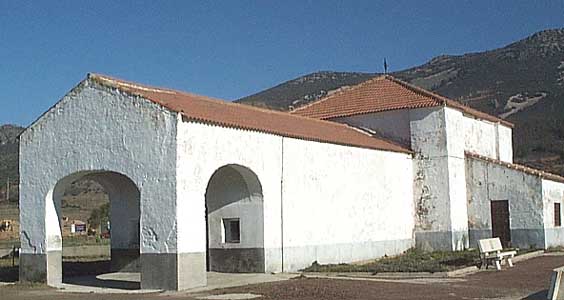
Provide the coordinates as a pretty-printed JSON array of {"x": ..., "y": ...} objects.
[
  {"x": 524, "y": 169},
  {"x": 379, "y": 94},
  {"x": 227, "y": 114}
]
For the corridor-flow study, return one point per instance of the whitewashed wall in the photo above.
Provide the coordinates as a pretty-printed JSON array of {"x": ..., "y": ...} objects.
[
  {"x": 440, "y": 190},
  {"x": 392, "y": 124},
  {"x": 343, "y": 204},
  {"x": 428, "y": 140},
  {"x": 340, "y": 203},
  {"x": 487, "y": 182},
  {"x": 480, "y": 137},
  {"x": 440, "y": 136},
  {"x": 203, "y": 149},
  {"x": 457, "y": 177},
  {"x": 93, "y": 129},
  {"x": 505, "y": 139},
  {"x": 552, "y": 192},
  {"x": 493, "y": 140}
]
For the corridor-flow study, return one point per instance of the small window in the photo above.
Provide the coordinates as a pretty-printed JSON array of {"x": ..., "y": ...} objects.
[
  {"x": 557, "y": 221},
  {"x": 231, "y": 231}
]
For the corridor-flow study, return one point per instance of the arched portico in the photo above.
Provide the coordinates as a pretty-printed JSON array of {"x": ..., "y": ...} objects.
[
  {"x": 235, "y": 221},
  {"x": 124, "y": 199}
]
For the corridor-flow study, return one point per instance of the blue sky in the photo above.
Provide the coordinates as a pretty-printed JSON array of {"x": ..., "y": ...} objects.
[{"x": 230, "y": 49}]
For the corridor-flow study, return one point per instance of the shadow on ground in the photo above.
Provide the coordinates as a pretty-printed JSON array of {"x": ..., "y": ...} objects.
[
  {"x": 78, "y": 273},
  {"x": 537, "y": 296},
  {"x": 86, "y": 274},
  {"x": 9, "y": 274}
]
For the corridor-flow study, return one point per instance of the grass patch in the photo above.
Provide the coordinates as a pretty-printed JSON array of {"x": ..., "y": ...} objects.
[
  {"x": 68, "y": 241},
  {"x": 412, "y": 260},
  {"x": 7, "y": 244},
  {"x": 555, "y": 249},
  {"x": 83, "y": 240}
]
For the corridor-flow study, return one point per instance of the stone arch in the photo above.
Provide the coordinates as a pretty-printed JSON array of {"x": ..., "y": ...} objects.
[
  {"x": 125, "y": 213},
  {"x": 235, "y": 221}
]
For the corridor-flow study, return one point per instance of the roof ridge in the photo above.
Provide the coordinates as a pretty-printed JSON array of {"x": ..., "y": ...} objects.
[
  {"x": 100, "y": 78},
  {"x": 518, "y": 167},
  {"x": 433, "y": 98},
  {"x": 119, "y": 83},
  {"x": 341, "y": 91},
  {"x": 418, "y": 90},
  {"x": 445, "y": 100}
]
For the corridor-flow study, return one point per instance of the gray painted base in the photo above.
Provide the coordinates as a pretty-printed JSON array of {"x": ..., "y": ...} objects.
[
  {"x": 478, "y": 234},
  {"x": 45, "y": 268},
  {"x": 173, "y": 271},
  {"x": 527, "y": 238},
  {"x": 297, "y": 258},
  {"x": 460, "y": 240},
  {"x": 520, "y": 238},
  {"x": 442, "y": 240},
  {"x": 237, "y": 260},
  {"x": 125, "y": 260},
  {"x": 158, "y": 271}
]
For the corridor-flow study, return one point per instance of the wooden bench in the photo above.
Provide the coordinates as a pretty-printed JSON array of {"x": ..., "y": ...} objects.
[
  {"x": 556, "y": 284},
  {"x": 491, "y": 251}
]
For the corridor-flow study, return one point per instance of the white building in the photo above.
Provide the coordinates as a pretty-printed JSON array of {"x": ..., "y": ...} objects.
[{"x": 199, "y": 184}]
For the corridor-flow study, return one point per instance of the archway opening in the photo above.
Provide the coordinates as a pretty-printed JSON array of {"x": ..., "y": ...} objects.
[
  {"x": 235, "y": 221},
  {"x": 98, "y": 216}
]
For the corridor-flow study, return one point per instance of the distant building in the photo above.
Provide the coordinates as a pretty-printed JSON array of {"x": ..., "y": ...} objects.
[{"x": 198, "y": 184}]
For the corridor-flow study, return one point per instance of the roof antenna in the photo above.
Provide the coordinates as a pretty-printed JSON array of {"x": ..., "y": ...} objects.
[{"x": 385, "y": 66}]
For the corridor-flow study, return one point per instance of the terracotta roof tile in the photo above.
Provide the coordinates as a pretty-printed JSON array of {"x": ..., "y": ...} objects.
[
  {"x": 524, "y": 169},
  {"x": 379, "y": 94},
  {"x": 227, "y": 114}
]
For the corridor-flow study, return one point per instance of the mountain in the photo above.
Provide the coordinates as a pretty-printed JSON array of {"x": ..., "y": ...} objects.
[
  {"x": 9, "y": 155},
  {"x": 305, "y": 89},
  {"x": 522, "y": 82}
]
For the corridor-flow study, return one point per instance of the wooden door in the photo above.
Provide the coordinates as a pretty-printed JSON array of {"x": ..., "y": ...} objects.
[{"x": 500, "y": 221}]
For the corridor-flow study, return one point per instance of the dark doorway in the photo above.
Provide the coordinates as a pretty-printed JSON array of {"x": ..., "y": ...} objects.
[
  {"x": 500, "y": 221},
  {"x": 207, "y": 241}
]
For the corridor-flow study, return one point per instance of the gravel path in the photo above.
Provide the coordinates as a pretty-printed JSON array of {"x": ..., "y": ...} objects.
[{"x": 527, "y": 280}]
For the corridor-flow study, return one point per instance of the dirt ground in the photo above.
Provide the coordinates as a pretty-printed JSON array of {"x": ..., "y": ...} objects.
[{"x": 527, "y": 280}]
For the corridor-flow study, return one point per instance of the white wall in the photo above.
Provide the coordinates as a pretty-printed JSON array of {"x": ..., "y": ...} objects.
[
  {"x": 340, "y": 203},
  {"x": 93, "y": 129},
  {"x": 203, "y": 149},
  {"x": 343, "y": 204},
  {"x": 552, "y": 192},
  {"x": 439, "y": 186},
  {"x": 505, "y": 140},
  {"x": 393, "y": 125},
  {"x": 493, "y": 140},
  {"x": 480, "y": 137},
  {"x": 232, "y": 194},
  {"x": 488, "y": 181},
  {"x": 457, "y": 178}
]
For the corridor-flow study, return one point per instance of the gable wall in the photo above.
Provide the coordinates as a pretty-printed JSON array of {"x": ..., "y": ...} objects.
[{"x": 93, "y": 129}]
